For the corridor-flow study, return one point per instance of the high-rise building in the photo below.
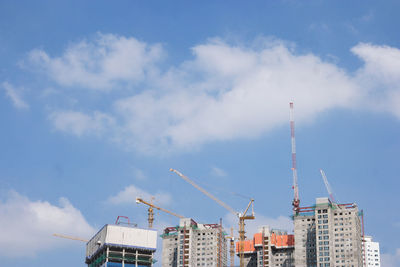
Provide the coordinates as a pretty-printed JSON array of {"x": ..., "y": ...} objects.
[
  {"x": 121, "y": 246},
  {"x": 191, "y": 244},
  {"x": 268, "y": 248},
  {"x": 371, "y": 252},
  {"x": 328, "y": 234}
]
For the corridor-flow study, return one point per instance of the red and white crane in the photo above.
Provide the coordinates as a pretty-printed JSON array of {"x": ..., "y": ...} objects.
[{"x": 296, "y": 199}]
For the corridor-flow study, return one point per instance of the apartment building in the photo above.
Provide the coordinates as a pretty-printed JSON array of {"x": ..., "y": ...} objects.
[
  {"x": 328, "y": 234},
  {"x": 191, "y": 244}
]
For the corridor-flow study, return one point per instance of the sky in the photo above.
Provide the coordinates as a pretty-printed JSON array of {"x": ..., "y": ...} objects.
[{"x": 99, "y": 99}]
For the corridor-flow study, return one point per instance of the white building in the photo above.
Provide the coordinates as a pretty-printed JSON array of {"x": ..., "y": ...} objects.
[{"x": 371, "y": 252}]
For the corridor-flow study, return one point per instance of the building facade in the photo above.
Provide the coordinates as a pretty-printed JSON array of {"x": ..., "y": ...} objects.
[
  {"x": 371, "y": 252},
  {"x": 268, "y": 248},
  {"x": 191, "y": 244},
  {"x": 328, "y": 234}
]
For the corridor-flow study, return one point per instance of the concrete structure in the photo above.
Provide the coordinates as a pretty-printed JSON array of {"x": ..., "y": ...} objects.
[
  {"x": 371, "y": 253},
  {"x": 192, "y": 244},
  {"x": 121, "y": 246},
  {"x": 269, "y": 248},
  {"x": 328, "y": 234}
]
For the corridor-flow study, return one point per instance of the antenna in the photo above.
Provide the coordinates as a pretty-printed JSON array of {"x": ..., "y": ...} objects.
[{"x": 296, "y": 200}]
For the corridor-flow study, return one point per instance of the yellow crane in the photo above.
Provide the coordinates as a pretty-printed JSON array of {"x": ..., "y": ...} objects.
[
  {"x": 241, "y": 216},
  {"x": 71, "y": 237},
  {"x": 151, "y": 211}
]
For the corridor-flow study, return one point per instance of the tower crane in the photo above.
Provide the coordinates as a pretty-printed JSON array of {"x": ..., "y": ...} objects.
[
  {"x": 241, "y": 216},
  {"x": 328, "y": 186},
  {"x": 296, "y": 199},
  {"x": 151, "y": 212}
]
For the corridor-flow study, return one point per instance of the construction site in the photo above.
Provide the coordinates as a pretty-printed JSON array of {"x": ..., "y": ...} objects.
[{"x": 325, "y": 234}]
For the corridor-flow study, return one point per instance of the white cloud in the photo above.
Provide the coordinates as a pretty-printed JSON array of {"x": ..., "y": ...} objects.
[
  {"x": 101, "y": 63},
  {"x": 381, "y": 62},
  {"x": 79, "y": 124},
  {"x": 129, "y": 194},
  {"x": 215, "y": 171},
  {"x": 380, "y": 76},
  {"x": 14, "y": 95},
  {"x": 391, "y": 260},
  {"x": 226, "y": 92},
  {"x": 28, "y": 225},
  {"x": 242, "y": 93}
]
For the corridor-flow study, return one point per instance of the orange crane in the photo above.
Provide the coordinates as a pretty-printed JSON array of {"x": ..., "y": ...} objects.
[
  {"x": 241, "y": 216},
  {"x": 151, "y": 211},
  {"x": 71, "y": 237}
]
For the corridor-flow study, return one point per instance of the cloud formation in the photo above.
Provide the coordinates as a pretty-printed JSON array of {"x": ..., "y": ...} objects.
[
  {"x": 379, "y": 77},
  {"x": 79, "y": 123},
  {"x": 15, "y": 96},
  {"x": 100, "y": 64},
  {"x": 225, "y": 92},
  {"x": 28, "y": 225},
  {"x": 129, "y": 194}
]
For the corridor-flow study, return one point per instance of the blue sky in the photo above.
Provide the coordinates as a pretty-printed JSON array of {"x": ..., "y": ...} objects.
[{"x": 98, "y": 100}]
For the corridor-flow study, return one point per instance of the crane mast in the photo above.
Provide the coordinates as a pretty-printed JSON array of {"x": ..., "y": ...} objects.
[
  {"x": 296, "y": 199},
  {"x": 241, "y": 216},
  {"x": 231, "y": 248}
]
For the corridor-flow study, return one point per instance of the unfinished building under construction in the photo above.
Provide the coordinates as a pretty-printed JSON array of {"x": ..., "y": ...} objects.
[
  {"x": 193, "y": 244},
  {"x": 121, "y": 246},
  {"x": 268, "y": 248}
]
